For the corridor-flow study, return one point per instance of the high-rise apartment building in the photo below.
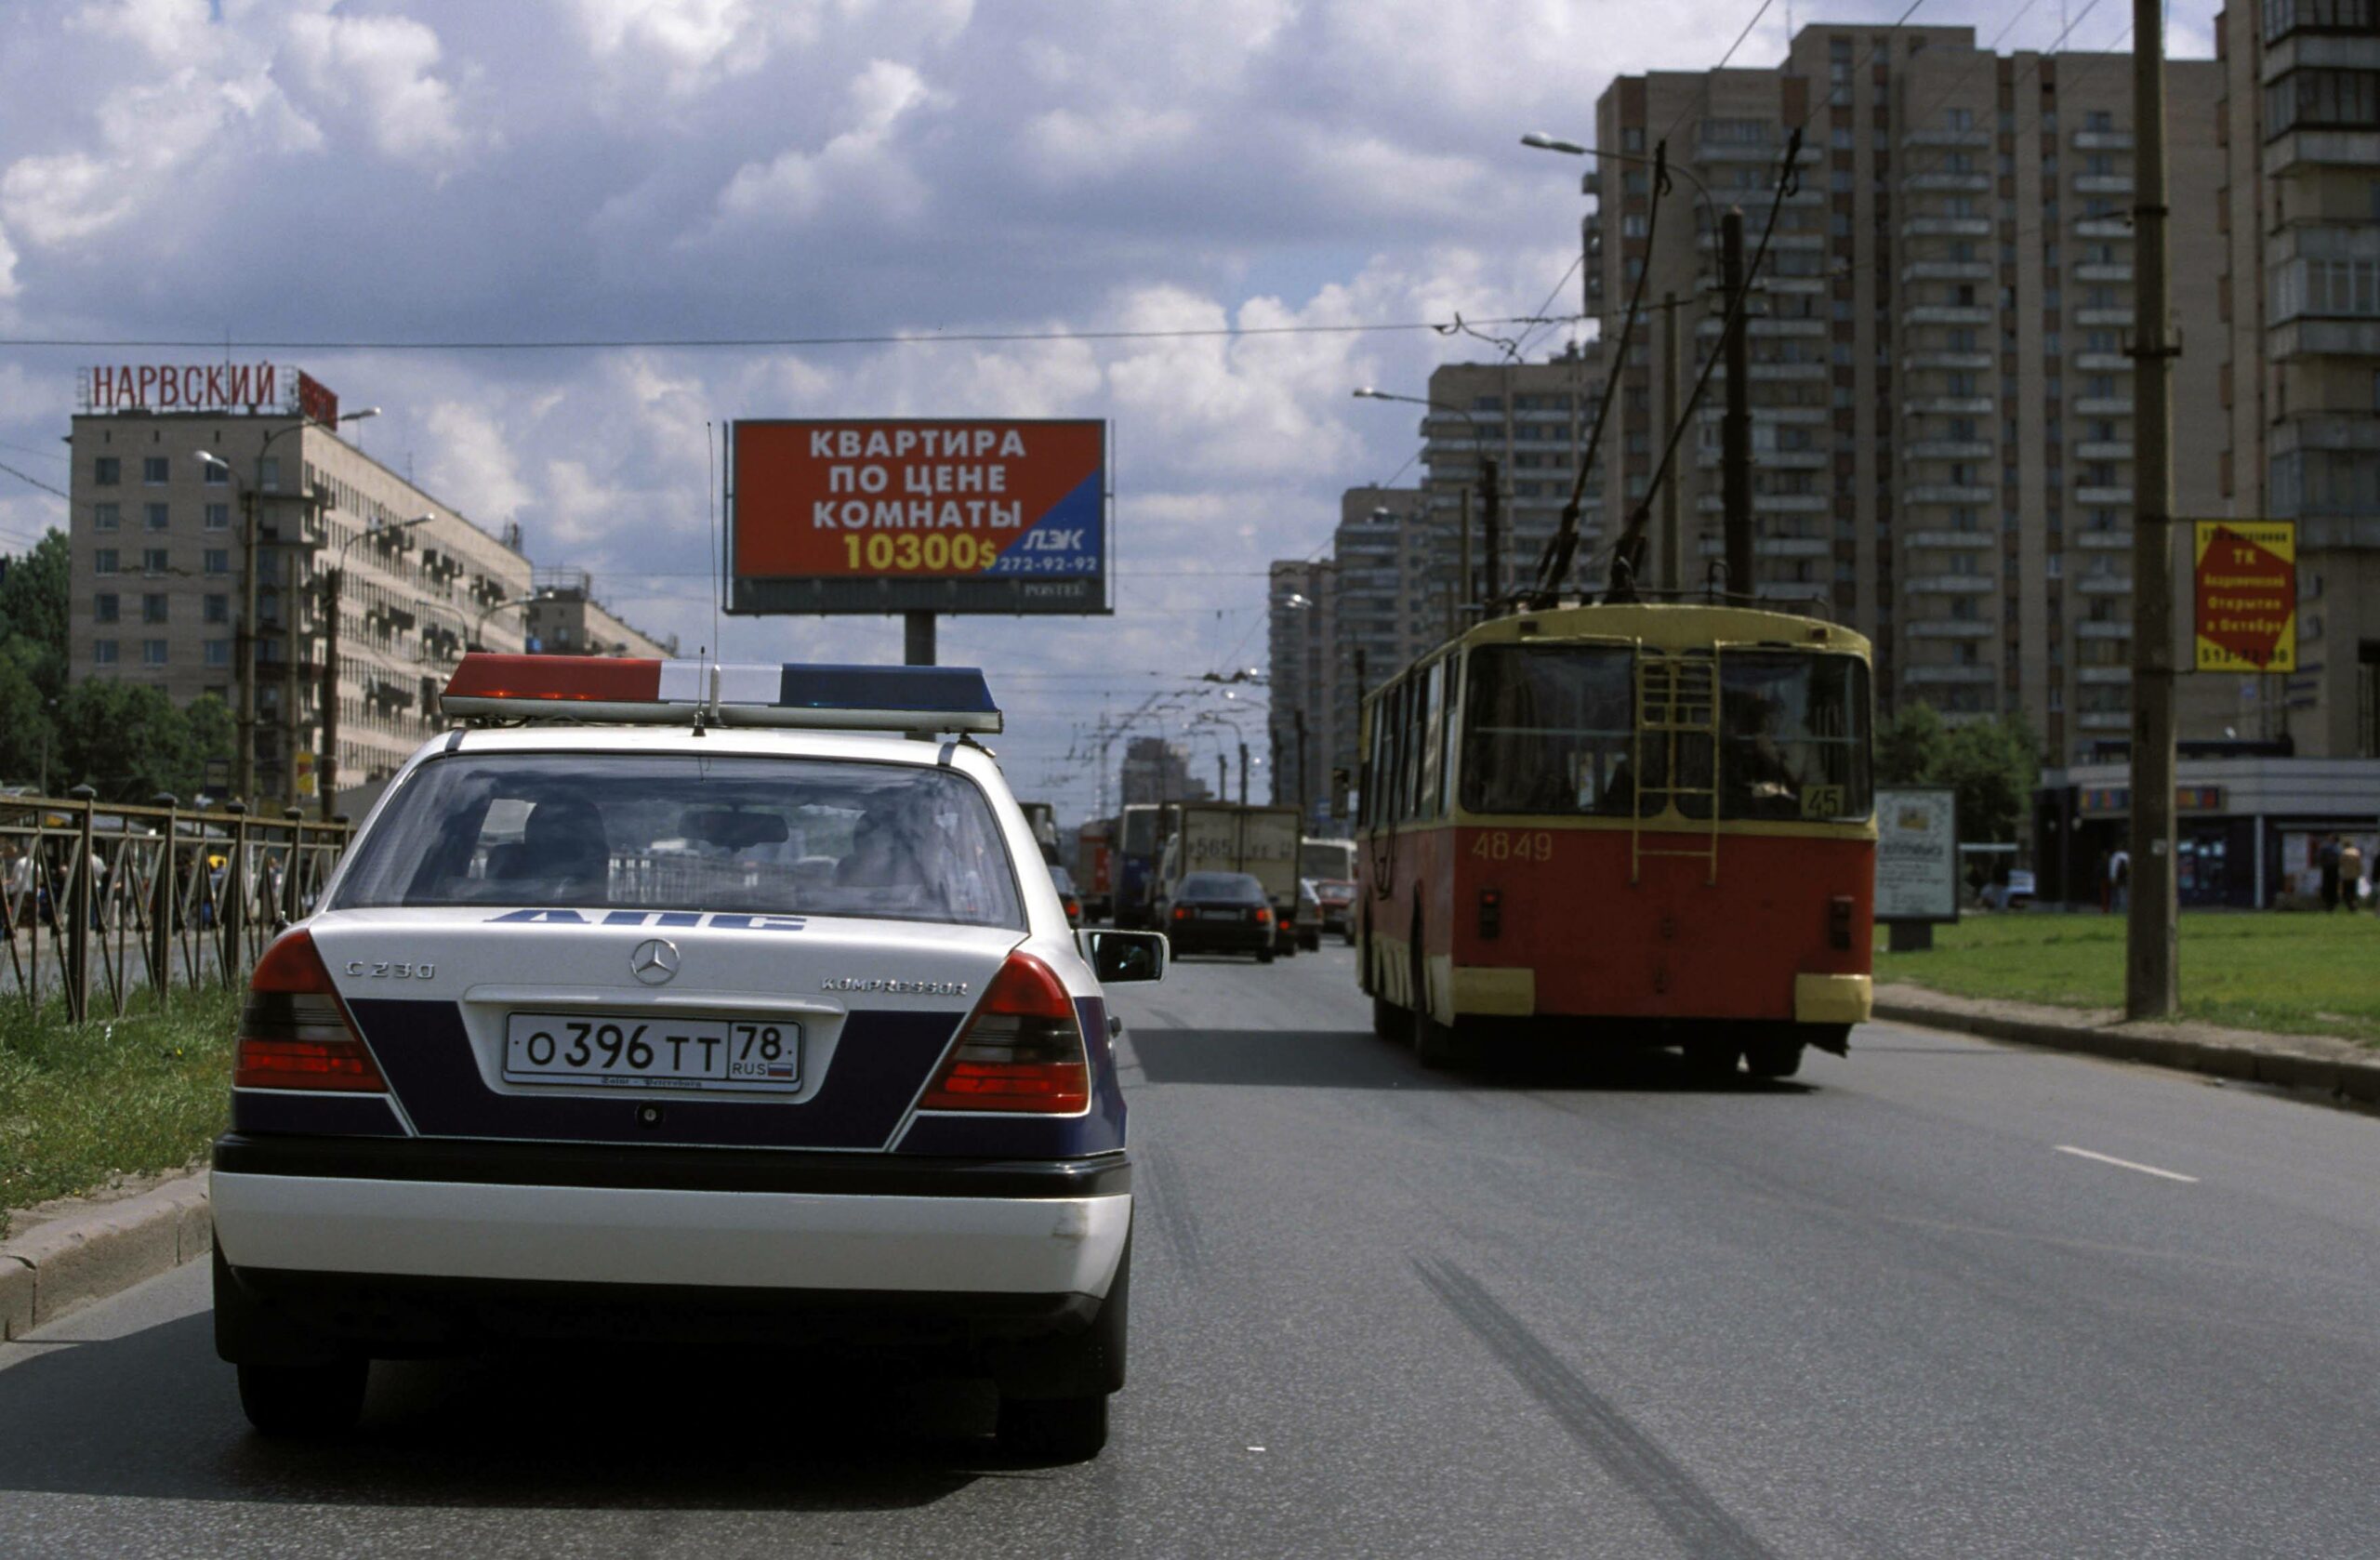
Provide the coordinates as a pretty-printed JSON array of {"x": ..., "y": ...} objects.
[
  {"x": 564, "y": 617},
  {"x": 1531, "y": 417},
  {"x": 1305, "y": 676},
  {"x": 1940, "y": 394},
  {"x": 1157, "y": 770},
  {"x": 2299, "y": 126}
]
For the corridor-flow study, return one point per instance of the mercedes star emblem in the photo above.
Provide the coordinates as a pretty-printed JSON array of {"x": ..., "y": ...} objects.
[{"x": 654, "y": 961}]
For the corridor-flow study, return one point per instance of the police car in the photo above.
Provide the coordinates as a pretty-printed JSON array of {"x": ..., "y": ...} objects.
[{"x": 685, "y": 1002}]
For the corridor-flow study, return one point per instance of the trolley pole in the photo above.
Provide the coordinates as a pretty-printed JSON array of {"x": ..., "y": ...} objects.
[
  {"x": 1735, "y": 430},
  {"x": 2151, "y": 979},
  {"x": 1673, "y": 550},
  {"x": 917, "y": 638}
]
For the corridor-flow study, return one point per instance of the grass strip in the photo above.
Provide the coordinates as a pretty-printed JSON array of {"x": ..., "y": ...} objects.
[
  {"x": 131, "y": 1096},
  {"x": 2281, "y": 973}
]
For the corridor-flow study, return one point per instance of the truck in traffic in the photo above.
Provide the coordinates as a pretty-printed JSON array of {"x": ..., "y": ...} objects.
[
  {"x": 1224, "y": 836},
  {"x": 1326, "y": 860},
  {"x": 1043, "y": 818},
  {"x": 1133, "y": 863},
  {"x": 1094, "y": 856}
]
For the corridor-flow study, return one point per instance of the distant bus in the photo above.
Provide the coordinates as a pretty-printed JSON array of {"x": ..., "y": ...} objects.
[
  {"x": 1326, "y": 860},
  {"x": 1623, "y": 824},
  {"x": 1137, "y": 843}
]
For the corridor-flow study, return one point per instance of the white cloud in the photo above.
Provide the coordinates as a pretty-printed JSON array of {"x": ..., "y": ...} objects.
[
  {"x": 170, "y": 30},
  {"x": 857, "y": 165},
  {"x": 474, "y": 463},
  {"x": 382, "y": 67},
  {"x": 9, "y": 284}
]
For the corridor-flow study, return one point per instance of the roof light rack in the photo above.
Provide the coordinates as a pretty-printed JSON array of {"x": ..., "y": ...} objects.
[{"x": 622, "y": 689}]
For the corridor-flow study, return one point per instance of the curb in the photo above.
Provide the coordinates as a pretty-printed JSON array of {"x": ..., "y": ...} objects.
[
  {"x": 56, "y": 1269},
  {"x": 2247, "y": 1063}
]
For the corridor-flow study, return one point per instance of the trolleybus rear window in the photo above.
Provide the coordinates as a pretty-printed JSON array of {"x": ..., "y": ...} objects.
[
  {"x": 1795, "y": 735},
  {"x": 1548, "y": 729}
]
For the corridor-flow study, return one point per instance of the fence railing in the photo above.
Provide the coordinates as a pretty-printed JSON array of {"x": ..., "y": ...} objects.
[{"x": 106, "y": 904}]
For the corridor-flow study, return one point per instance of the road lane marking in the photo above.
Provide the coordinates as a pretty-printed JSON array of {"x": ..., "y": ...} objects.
[{"x": 2126, "y": 1163}]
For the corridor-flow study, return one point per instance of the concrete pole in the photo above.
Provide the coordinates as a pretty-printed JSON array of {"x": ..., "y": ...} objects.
[
  {"x": 1734, "y": 432},
  {"x": 917, "y": 638},
  {"x": 1491, "y": 483},
  {"x": 1672, "y": 550},
  {"x": 1243, "y": 775},
  {"x": 243, "y": 767},
  {"x": 2151, "y": 978},
  {"x": 326, "y": 761}
]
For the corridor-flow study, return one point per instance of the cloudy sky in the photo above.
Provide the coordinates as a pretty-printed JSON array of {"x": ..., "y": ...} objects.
[{"x": 513, "y": 171}]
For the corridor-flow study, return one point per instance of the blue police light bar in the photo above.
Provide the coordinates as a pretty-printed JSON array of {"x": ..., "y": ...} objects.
[{"x": 819, "y": 697}]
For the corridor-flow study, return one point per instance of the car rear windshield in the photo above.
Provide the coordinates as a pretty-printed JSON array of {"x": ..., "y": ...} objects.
[
  {"x": 1228, "y": 888},
  {"x": 684, "y": 831}
]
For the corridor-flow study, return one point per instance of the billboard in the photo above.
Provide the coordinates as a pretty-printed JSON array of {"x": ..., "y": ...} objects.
[
  {"x": 958, "y": 515},
  {"x": 2245, "y": 576},
  {"x": 1917, "y": 855}
]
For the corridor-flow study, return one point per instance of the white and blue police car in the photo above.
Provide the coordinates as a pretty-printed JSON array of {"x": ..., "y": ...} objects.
[{"x": 686, "y": 1002}]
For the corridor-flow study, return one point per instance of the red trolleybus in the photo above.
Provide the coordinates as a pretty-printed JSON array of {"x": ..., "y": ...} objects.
[{"x": 1628, "y": 824}]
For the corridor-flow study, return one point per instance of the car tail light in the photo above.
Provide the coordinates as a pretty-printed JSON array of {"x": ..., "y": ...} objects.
[
  {"x": 1263, "y": 916},
  {"x": 1021, "y": 1048},
  {"x": 1491, "y": 912},
  {"x": 1838, "y": 921},
  {"x": 1181, "y": 912},
  {"x": 293, "y": 1033},
  {"x": 1072, "y": 905}
]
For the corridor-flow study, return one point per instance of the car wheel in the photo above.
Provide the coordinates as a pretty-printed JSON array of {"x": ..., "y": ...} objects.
[
  {"x": 1054, "y": 1429},
  {"x": 1264, "y": 955},
  {"x": 304, "y": 1400},
  {"x": 1773, "y": 1058}
]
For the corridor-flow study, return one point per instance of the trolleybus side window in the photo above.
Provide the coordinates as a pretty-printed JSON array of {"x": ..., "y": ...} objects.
[
  {"x": 1431, "y": 727},
  {"x": 1795, "y": 736},
  {"x": 1547, "y": 730}
]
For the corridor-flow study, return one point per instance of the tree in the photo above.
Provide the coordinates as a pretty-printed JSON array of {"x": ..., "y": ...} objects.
[
  {"x": 1909, "y": 747},
  {"x": 26, "y": 736},
  {"x": 125, "y": 741},
  {"x": 32, "y": 608},
  {"x": 1991, "y": 764},
  {"x": 213, "y": 734}
]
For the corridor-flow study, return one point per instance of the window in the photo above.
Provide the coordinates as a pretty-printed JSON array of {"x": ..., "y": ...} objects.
[
  {"x": 152, "y": 652},
  {"x": 107, "y": 517},
  {"x": 157, "y": 517},
  {"x": 268, "y": 473},
  {"x": 106, "y": 607},
  {"x": 2338, "y": 289},
  {"x": 218, "y": 608},
  {"x": 219, "y": 652},
  {"x": 156, "y": 470},
  {"x": 218, "y": 560},
  {"x": 1631, "y": 138},
  {"x": 103, "y": 652},
  {"x": 103, "y": 562},
  {"x": 1547, "y": 730},
  {"x": 212, "y": 474},
  {"x": 2307, "y": 99},
  {"x": 154, "y": 561},
  {"x": 218, "y": 517},
  {"x": 1795, "y": 736},
  {"x": 1958, "y": 119},
  {"x": 107, "y": 471},
  {"x": 153, "y": 607}
]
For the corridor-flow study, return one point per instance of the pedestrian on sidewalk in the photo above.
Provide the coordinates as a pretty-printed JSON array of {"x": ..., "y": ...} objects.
[
  {"x": 2327, "y": 858},
  {"x": 2351, "y": 875},
  {"x": 2120, "y": 882}
]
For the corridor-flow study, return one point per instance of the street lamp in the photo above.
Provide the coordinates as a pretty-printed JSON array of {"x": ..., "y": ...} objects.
[
  {"x": 478, "y": 625},
  {"x": 244, "y": 767},
  {"x": 1490, "y": 491},
  {"x": 334, "y": 586}
]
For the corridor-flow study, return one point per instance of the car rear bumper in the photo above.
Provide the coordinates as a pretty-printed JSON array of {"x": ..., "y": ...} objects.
[
  {"x": 1219, "y": 937},
  {"x": 524, "y": 1215}
]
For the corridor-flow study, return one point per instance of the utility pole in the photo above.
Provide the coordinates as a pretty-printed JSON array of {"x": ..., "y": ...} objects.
[
  {"x": 1223, "y": 773},
  {"x": 244, "y": 770},
  {"x": 1491, "y": 522},
  {"x": 326, "y": 761},
  {"x": 2151, "y": 979},
  {"x": 917, "y": 638},
  {"x": 1243, "y": 774},
  {"x": 1300, "y": 715},
  {"x": 1672, "y": 549},
  {"x": 1734, "y": 432},
  {"x": 1470, "y": 584}
]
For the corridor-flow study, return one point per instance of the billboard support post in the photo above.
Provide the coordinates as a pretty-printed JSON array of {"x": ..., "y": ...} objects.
[{"x": 917, "y": 638}]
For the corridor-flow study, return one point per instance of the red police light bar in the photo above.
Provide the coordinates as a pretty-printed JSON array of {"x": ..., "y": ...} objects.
[{"x": 610, "y": 689}]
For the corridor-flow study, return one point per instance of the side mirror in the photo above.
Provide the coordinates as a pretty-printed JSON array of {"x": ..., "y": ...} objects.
[
  {"x": 1340, "y": 782},
  {"x": 1125, "y": 956}
]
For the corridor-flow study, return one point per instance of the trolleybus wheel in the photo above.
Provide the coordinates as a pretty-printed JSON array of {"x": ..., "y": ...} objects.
[
  {"x": 1435, "y": 1045},
  {"x": 1388, "y": 1019},
  {"x": 1775, "y": 1058}
]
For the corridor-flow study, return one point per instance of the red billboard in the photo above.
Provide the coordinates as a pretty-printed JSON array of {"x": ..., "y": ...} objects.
[{"x": 923, "y": 514}]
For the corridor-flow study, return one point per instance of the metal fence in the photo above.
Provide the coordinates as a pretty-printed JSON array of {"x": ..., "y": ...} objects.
[{"x": 108, "y": 905}]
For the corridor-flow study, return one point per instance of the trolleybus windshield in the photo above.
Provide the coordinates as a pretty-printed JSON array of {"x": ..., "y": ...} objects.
[{"x": 1550, "y": 731}]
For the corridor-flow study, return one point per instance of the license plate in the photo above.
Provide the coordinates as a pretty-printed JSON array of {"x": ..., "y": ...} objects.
[
  {"x": 1218, "y": 915},
  {"x": 617, "y": 1050}
]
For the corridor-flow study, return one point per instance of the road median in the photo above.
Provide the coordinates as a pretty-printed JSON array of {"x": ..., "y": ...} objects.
[
  {"x": 2341, "y": 1068},
  {"x": 79, "y": 1251}
]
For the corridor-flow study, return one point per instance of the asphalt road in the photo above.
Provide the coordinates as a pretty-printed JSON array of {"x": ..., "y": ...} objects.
[{"x": 1545, "y": 1308}]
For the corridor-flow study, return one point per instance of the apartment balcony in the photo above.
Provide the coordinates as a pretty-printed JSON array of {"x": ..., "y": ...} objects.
[
  {"x": 2103, "y": 227},
  {"x": 2101, "y": 449},
  {"x": 2323, "y": 339},
  {"x": 2103, "y": 184},
  {"x": 1784, "y": 373},
  {"x": 1966, "y": 141},
  {"x": 1965, "y": 541},
  {"x": 2104, "y": 720},
  {"x": 2120, "y": 318},
  {"x": 1953, "y": 183},
  {"x": 1945, "y": 492},
  {"x": 1948, "y": 406},
  {"x": 1950, "y": 585},
  {"x": 1947, "y": 449},
  {"x": 2101, "y": 363},
  {"x": 1756, "y": 329},
  {"x": 1768, "y": 503},
  {"x": 2102, "y": 270},
  {"x": 2102, "y": 631},
  {"x": 2103, "y": 585},
  {"x": 1955, "y": 674},
  {"x": 1773, "y": 547},
  {"x": 1953, "y": 629},
  {"x": 2102, "y": 140},
  {"x": 1797, "y": 286},
  {"x": 2105, "y": 676},
  {"x": 1710, "y": 240},
  {"x": 2100, "y": 541},
  {"x": 2355, "y": 149},
  {"x": 1771, "y": 460},
  {"x": 1946, "y": 271},
  {"x": 1947, "y": 314},
  {"x": 1814, "y": 417},
  {"x": 2103, "y": 406},
  {"x": 2103, "y": 497},
  {"x": 1739, "y": 151},
  {"x": 1947, "y": 360},
  {"x": 1946, "y": 227}
]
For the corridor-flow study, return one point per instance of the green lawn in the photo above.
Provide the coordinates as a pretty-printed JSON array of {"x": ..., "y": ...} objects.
[
  {"x": 80, "y": 1105},
  {"x": 2294, "y": 974}
]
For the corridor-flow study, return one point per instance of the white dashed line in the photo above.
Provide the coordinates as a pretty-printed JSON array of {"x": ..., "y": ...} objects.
[{"x": 2126, "y": 1163}]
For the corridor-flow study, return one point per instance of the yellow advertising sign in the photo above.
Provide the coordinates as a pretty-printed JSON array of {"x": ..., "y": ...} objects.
[
  {"x": 305, "y": 774},
  {"x": 2244, "y": 578}
]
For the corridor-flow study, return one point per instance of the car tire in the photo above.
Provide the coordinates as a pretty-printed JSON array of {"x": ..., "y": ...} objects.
[
  {"x": 304, "y": 1401},
  {"x": 1773, "y": 1058},
  {"x": 1264, "y": 955},
  {"x": 1054, "y": 1429},
  {"x": 1389, "y": 1021}
]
